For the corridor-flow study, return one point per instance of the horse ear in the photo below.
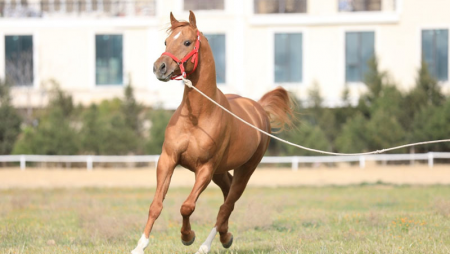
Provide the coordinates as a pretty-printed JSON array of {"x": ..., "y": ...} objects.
[
  {"x": 172, "y": 18},
  {"x": 192, "y": 19}
]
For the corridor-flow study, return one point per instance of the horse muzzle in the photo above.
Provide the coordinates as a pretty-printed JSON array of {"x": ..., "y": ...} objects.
[{"x": 164, "y": 68}]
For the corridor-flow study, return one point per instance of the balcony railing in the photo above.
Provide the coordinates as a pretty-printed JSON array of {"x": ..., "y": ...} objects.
[
  {"x": 81, "y": 8},
  {"x": 365, "y": 5},
  {"x": 204, "y": 5},
  {"x": 280, "y": 6}
]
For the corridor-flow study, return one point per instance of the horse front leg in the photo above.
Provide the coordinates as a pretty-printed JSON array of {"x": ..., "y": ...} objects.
[
  {"x": 164, "y": 172},
  {"x": 203, "y": 177}
]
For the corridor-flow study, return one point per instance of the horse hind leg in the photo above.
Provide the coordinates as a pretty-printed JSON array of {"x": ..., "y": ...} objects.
[
  {"x": 237, "y": 187},
  {"x": 241, "y": 177},
  {"x": 224, "y": 182}
]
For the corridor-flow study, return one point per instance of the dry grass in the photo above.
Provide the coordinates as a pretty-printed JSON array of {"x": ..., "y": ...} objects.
[
  {"x": 351, "y": 219},
  {"x": 275, "y": 177},
  {"x": 59, "y": 211},
  {"x": 442, "y": 206}
]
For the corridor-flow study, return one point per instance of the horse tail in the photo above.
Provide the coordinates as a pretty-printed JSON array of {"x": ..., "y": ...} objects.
[{"x": 279, "y": 108}]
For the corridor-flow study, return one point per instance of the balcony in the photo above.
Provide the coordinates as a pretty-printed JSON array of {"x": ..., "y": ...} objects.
[
  {"x": 81, "y": 8},
  {"x": 279, "y": 6},
  {"x": 335, "y": 12},
  {"x": 359, "y": 5},
  {"x": 366, "y": 5}
]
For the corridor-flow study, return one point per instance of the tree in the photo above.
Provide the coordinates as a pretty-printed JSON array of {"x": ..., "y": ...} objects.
[
  {"x": 132, "y": 110},
  {"x": 427, "y": 90},
  {"x": 54, "y": 133},
  {"x": 374, "y": 80},
  {"x": 306, "y": 135},
  {"x": 10, "y": 120},
  {"x": 159, "y": 120},
  {"x": 353, "y": 138},
  {"x": 383, "y": 131},
  {"x": 432, "y": 123},
  {"x": 113, "y": 127},
  {"x": 93, "y": 132},
  {"x": 426, "y": 93}
]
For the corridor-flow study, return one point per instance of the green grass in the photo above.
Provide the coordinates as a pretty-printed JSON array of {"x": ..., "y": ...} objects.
[{"x": 353, "y": 219}]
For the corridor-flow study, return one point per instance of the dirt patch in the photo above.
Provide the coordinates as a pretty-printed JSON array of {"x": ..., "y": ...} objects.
[{"x": 274, "y": 177}]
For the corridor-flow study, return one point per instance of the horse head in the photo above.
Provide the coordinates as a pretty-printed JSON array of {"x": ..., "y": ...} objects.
[{"x": 181, "y": 54}]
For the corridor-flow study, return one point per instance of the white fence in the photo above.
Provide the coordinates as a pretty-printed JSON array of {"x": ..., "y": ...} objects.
[{"x": 293, "y": 160}]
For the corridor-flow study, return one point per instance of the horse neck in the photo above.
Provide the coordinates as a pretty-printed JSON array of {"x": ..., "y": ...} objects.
[{"x": 204, "y": 79}]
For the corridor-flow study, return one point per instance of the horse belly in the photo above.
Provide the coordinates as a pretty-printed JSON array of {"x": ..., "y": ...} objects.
[{"x": 245, "y": 141}]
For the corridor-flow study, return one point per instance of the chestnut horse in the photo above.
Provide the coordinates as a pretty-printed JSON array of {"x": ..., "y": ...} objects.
[{"x": 206, "y": 140}]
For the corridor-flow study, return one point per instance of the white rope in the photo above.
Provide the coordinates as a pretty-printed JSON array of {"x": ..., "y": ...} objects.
[{"x": 188, "y": 83}]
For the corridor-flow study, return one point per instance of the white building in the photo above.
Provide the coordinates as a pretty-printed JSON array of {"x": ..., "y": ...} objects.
[{"x": 92, "y": 47}]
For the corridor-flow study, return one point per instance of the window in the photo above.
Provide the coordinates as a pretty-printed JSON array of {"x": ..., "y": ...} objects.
[
  {"x": 359, "y": 49},
  {"x": 19, "y": 59},
  {"x": 359, "y": 5},
  {"x": 279, "y": 6},
  {"x": 435, "y": 52},
  {"x": 288, "y": 57},
  {"x": 217, "y": 43},
  {"x": 108, "y": 60},
  {"x": 204, "y": 5}
]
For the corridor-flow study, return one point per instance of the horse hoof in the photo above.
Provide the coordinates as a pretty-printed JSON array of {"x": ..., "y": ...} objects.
[
  {"x": 187, "y": 243},
  {"x": 137, "y": 251},
  {"x": 228, "y": 245}
]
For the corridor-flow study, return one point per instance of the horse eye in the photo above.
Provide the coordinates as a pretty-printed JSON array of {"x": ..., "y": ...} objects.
[{"x": 187, "y": 43}]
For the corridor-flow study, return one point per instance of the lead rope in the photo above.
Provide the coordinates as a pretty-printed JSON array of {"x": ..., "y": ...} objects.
[{"x": 188, "y": 83}]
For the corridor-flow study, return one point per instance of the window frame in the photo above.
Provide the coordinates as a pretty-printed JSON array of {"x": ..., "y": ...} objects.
[
  {"x": 418, "y": 43},
  {"x": 360, "y": 49},
  {"x": 421, "y": 29},
  {"x": 229, "y": 54},
  {"x": 94, "y": 62},
  {"x": 271, "y": 59},
  {"x": 35, "y": 39},
  {"x": 226, "y": 54},
  {"x": 343, "y": 59}
]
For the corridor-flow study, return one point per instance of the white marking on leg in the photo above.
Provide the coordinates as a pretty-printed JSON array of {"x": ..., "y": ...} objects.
[
  {"x": 178, "y": 35},
  {"x": 206, "y": 246},
  {"x": 142, "y": 244}
]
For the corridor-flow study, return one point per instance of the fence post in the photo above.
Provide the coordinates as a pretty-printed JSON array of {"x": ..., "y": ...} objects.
[
  {"x": 362, "y": 162},
  {"x": 89, "y": 163},
  {"x": 23, "y": 162},
  {"x": 294, "y": 163},
  {"x": 430, "y": 160}
]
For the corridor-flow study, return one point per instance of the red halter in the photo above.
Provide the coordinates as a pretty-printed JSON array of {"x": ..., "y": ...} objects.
[{"x": 193, "y": 54}]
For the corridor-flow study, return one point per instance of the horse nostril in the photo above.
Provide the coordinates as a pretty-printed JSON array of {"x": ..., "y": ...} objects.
[
  {"x": 154, "y": 68},
  {"x": 162, "y": 68}
]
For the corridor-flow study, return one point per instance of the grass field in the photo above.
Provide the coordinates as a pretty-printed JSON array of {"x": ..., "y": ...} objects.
[{"x": 351, "y": 219}]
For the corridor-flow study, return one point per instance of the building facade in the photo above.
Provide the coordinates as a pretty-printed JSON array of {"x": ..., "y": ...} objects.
[{"x": 92, "y": 48}]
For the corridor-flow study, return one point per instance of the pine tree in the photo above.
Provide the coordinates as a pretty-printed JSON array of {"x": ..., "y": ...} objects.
[
  {"x": 159, "y": 120},
  {"x": 132, "y": 110},
  {"x": 10, "y": 120},
  {"x": 54, "y": 133}
]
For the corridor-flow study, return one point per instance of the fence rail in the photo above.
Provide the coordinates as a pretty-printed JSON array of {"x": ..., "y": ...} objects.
[{"x": 293, "y": 160}]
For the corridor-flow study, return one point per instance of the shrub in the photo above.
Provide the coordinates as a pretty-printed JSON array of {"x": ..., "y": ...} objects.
[
  {"x": 54, "y": 134},
  {"x": 159, "y": 120},
  {"x": 10, "y": 120}
]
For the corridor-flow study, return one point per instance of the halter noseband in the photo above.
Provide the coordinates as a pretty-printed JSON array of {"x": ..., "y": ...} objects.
[{"x": 193, "y": 54}]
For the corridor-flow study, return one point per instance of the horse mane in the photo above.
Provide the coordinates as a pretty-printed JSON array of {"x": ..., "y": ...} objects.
[{"x": 174, "y": 25}]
